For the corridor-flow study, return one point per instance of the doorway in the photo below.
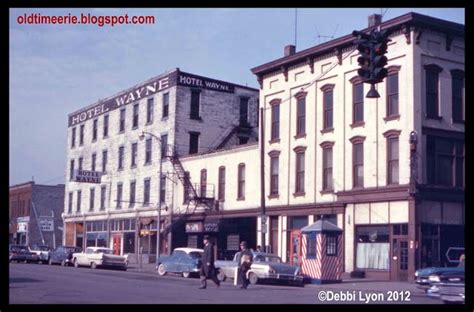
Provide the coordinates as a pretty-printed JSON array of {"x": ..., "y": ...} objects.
[{"x": 117, "y": 244}]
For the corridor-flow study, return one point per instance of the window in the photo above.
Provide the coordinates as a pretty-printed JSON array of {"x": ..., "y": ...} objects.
[
  {"x": 195, "y": 97},
  {"x": 81, "y": 135},
  {"x": 91, "y": 199},
  {"x": 275, "y": 134},
  {"x": 148, "y": 151},
  {"x": 432, "y": 90},
  {"x": 358, "y": 164},
  {"x": 71, "y": 170},
  {"x": 166, "y": 104},
  {"x": 80, "y": 163},
  {"x": 300, "y": 115},
  {"x": 93, "y": 161},
  {"x": 103, "y": 194},
  {"x": 373, "y": 247},
  {"x": 241, "y": 182},
  {"x": 392, "y": 94},
  {"x": 457, "y": 85},
  {"x": 445, "y": 161},
  {"x": 328, "y": 109},
  {"x": 104, "y": 161},
  {"x": 119, "y": 195},
  {"x": 136, "y": 108},
  {"x": 274, "y": 171},
  {"x": 73, "y": 137},
  {"x": 203, "y": 182},
  {"x": 163, "y": 189},
  {"x": 122, "y": 120},
  {"x": 358, "y": 102},
  {"x": 193, "y": 142},
  {"x": 311, "y": 249},
  {"x": 94, "y": 129},
  {"x": 327, "y": 169},
  {"x": 149, "y": 110},
  {"x": 299, "y": 172},
  {"x": 392, "y": 160},
  {"x": 244, "y": 109},
  {"x": 186, "y": 189},
  {"x": 106, "y": 126},
  {"x": 331, "y": 245},
  {"x": 133, "y": 187},
  {"x": 146, "y": 192},
  {"x": 69, "y": 208},
  {"x": 221, "y": 187},
  {"x": 134, "y": 154},
  {"x": 78, "y": 207},
  {"x": 164, "y": 145},
  {"x": 121, "y": 156}
]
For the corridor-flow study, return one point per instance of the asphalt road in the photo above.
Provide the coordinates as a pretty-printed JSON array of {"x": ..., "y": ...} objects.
[{"x": 43, "y": 284}]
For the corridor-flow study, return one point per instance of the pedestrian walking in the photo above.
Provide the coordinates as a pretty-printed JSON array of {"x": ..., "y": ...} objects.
[
  {"x": 245, "y": 259},
  {"x": 207, "y": 265}
]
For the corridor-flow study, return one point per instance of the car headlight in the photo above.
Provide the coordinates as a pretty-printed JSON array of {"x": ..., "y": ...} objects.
[
  {"x": 416, "y": 274},
  {"x": 433, "y": 278}
]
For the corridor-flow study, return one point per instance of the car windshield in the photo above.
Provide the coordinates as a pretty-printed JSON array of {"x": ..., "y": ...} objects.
[
  {"x": 106, "y": 251},
  {"x": 42, "y": 248},
  {"x": 195, "y": 255},
  {"x": 262, "y": 258},
  {"x": 72, "y": 249}
]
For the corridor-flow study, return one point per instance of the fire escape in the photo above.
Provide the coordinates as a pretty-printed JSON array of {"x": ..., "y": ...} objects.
[{"x": 195, "y": 194}]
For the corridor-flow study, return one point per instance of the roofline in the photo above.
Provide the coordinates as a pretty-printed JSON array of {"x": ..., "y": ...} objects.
[{"x": 409, "y": 19}]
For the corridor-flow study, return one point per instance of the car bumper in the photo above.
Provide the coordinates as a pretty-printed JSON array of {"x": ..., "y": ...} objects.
[{"x": 283, "y": 277}]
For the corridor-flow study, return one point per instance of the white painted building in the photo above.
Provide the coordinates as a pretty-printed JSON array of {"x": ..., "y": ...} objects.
[{"x": 178, "y": 114}]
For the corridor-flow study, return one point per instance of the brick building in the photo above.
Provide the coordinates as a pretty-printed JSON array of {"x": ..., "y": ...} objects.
[{"x": 35, "y": 214}]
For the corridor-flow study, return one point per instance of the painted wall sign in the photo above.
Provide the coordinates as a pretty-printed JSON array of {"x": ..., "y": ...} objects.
[
  {"x": 189, "y": 80},
  {"x": 22, "y": 227},
  {"x": 46, "y": 225},
  {"x": 194, "y": 227},
  {"x": 127, "y": 97},
  {"x": 88, "y": 176}
]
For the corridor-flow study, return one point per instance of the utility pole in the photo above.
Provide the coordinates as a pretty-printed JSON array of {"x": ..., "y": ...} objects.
[{"x": 263, "y": 223}]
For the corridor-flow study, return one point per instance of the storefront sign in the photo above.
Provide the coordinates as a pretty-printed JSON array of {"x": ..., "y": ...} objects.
[
  {"x": 22, "y": 227},
  {"x": 88, "y": 176},
  {"x": 211, "y": 226},
  {"x": 194, "y": 227},
  {"x": 189, "y": 80},
  {"x": 46, "y": 225}
]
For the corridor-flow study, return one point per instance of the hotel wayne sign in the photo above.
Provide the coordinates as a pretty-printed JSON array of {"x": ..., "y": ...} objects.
[{"x": 147, "y": 89}]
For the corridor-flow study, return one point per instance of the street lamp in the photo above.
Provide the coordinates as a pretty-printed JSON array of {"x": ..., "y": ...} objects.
[{"x": 158, "y": 227}]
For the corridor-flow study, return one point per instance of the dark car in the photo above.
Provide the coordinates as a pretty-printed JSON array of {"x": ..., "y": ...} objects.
[
  {"x": 185, "y": 261},
  {"x": 20, "y": 253},
  {"x": 63, "y": 255},
  {"x": 448, "y": 286},
  {"x": 422, "y": 276}
]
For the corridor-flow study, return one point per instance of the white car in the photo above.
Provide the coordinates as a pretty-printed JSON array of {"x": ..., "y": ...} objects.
[
  {"x": 99, "y": 257},
  {"x": 42, "y": 251}
]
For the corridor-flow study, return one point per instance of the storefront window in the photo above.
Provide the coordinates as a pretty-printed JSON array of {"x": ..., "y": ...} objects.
[
  {"x": 91, "y": 237},
  {"x": 373, "y": 247},
  {"x": 128, "y": 242}
]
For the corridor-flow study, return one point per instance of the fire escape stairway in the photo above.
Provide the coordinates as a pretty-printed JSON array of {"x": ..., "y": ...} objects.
[{"x": 189, "y": 190}]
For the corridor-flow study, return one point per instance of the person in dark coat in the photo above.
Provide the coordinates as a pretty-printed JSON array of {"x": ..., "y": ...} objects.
[
  {"x": 245, "y": 259},
  {"x": 207, "y": 265}
]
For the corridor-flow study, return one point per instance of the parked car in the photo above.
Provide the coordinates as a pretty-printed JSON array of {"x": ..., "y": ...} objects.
[
  {"x": 20, "y": 253},
  {"x": 42, "y": 251},
  {"x": 95, "y": 257},
  {"x": 422, "y": 276},
  {"x": 447, "y": 286},
  {"x": 63, "y": 255},
  {"x": 265, "y": 267},
  {"x": 186, "y": 261}
]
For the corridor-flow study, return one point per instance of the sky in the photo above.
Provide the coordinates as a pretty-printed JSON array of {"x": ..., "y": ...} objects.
[{"x": 55, "y": 70}]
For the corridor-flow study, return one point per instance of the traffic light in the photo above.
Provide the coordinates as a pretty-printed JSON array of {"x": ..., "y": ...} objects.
[{"x": 372, "y": 60}]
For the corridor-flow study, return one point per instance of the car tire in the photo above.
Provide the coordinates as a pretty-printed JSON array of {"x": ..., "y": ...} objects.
[
  {"x": 93, "y": 265},
  {"x": 253, "y": 278},
  {"x": 186, "y": 274},
  {"x": 161, "y": 270},
  {"x": 220, "y": 275},
  {"x": 76, "y": 264},
  {"x": 63, "y": 263}
]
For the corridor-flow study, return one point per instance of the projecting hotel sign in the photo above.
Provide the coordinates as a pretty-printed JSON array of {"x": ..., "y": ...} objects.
[{"x": 88, "y": 176}]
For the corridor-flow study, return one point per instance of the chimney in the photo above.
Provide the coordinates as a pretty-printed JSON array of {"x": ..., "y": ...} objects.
[
  {"x": 375, "y": 20},
  {"x": 290, "y": 50}
]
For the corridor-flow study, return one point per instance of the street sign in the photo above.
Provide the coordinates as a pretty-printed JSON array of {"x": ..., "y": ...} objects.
[{"x": 46, "y": 225}]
